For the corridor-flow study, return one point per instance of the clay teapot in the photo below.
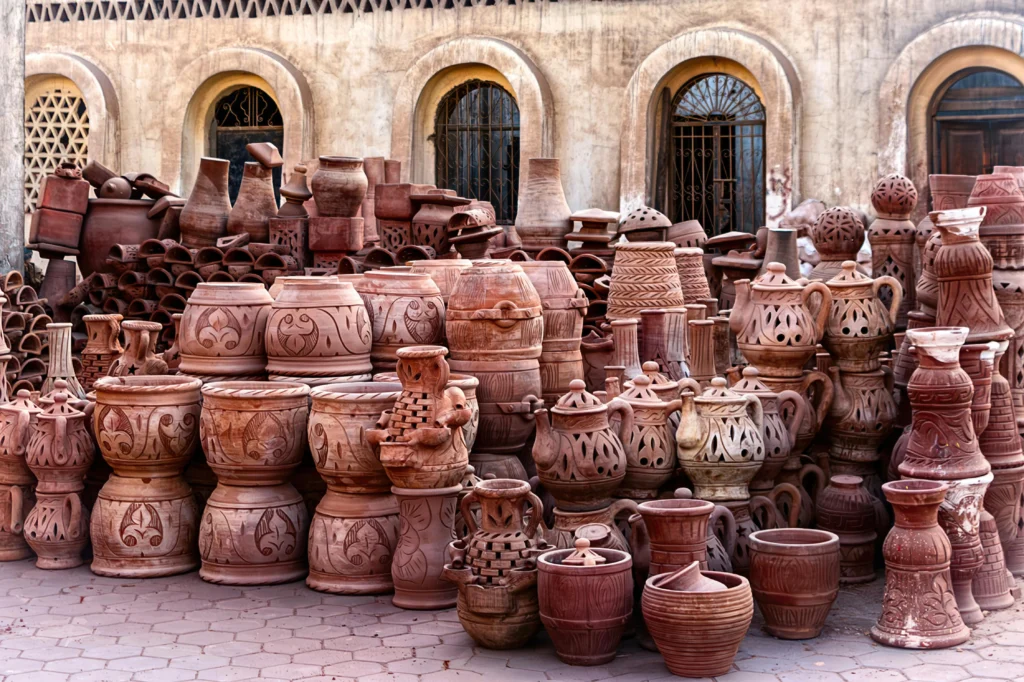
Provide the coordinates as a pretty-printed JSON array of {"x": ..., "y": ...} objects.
[
  {"x": 650, "y": 446},
  {"x": 776, "y": 328},
  {"x": 859, "y": 325}
]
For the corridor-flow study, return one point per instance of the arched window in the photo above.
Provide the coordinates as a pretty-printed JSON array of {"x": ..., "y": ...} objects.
[
  {"x": 476, "y": 136},
  {"x": 714, "y": 131},
  {"x": 242, "y": 116},
  {"x": 977, "y": 119},
  {"x": 56, "y": 129}
]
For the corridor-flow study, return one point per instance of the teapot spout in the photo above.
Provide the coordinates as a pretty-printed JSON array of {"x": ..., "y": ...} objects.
[
  {"x": 544, "y": 447},
  {"x": 840, "y": 398},
  {"x": 690, "y": 433}
]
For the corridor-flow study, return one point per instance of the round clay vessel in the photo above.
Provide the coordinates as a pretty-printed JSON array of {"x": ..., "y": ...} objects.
[
  {"x": 352, "y": 540},
  {"x": 223, "y": 328},
  {"x": 794, "y": 574},
  {"x": 339, "y": 186},
  {"x": 677, "y": 530},
  {"x": 847, "y": 509},
  {"x": 406, "y": 309},
  {"x": 426, "y": 528},
  {"x": 644, "y": 275}
]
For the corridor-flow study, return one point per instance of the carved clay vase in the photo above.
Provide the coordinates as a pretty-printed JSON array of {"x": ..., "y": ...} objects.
[
  {"x": 495, "y": 566},
  {"x": 426, "y": 529},
  {"x": 960, "y": 517},
  {"x": 255, "y": 204},
  {"x": 698, "y": 624},
  {"x": 794, "y": 575},
  {"x": 775, "y": 326},
  {"x": 406, "y": 309},
  {"x": 978, "y": 360},
  {"x": 580, "y": 458},
  {"x": 59, "y": 453},
  {"x": 495, "y": 331},
  {"x": 140, "y": 357},
  {"x": 721, "y": 441},
  {"x": 204, "y": 219},
  {"x": 650, "y": 443},
  {"x": 339, "y": 186},
  {"x": 991, "y": 585},
  {"x": 102, "y": 347},
  {"x": 59, "y": 366},
  {"x": 846, "y": 508},
  {"x": 145, "y": 520},
  {"x": 892, "y": 236},
  {"x": 625, "y": 353},
  {"x": 597, "y": 354},
  {"x": 564, "y": 305},
  {"x": 677, "y": 530},
  {"x": 543, "y": 217},
  {"x": 318, "y": 328},
  {"x": 664, "y": 341},
  {"x": 586, "y": 600},
  {"x": 838, "y": 235},
  {"x": 223, "y": 329},
  {"x": 918, "y": 609},
  {"x": 420, "y": 438},
  {"x": 862, "y": 416},
  {"x": 702, "y": 351},
  {"x": 644, "y": 275},
  {"x": 859, "y": 327},
  {"x": 352, "y": 540},
  {"x": 17, "y": 482}
]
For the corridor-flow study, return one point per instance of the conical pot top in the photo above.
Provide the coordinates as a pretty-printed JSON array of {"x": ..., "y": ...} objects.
[{"x": 686, "y": 579}]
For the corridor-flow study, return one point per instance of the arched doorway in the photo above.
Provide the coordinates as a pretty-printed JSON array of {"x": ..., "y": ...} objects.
[
  {"x": 56, "y": 129},
  {"x": 714, "y": 152},
  {"x": 977, "y": 122},
  {"x": 476, "y": 141},
  {"x": 244, "y": 115}
]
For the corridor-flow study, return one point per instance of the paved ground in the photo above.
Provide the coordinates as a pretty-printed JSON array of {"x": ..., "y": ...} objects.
[{"x": 58, "y": 626}]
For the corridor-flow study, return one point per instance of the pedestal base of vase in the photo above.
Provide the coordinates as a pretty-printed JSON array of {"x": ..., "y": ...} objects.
[
  {"x": 352, "y": 541},
  {"x": 960, "y": 518},
  {"x": 426, "y": 527},
  {"x": 991, "y": 585}
]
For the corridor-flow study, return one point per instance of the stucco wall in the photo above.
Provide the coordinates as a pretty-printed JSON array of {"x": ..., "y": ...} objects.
[{"x": 592, "y": 67}]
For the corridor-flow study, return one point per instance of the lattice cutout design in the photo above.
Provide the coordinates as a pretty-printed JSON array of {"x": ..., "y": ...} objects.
[{"x": 56, "y": 129}]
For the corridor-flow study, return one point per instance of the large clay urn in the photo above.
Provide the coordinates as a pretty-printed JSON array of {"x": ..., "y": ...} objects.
[
  {"x": 893, "y": 237},
  {"x": 339, "y": 186},
  {"x": 204, "y": 219},
  {"x": 255, "y": 204},
  {"x": 644, "y": 275},
  {"x": 846, "y": 508},
  {"x": 586, "y": 600},
  {"x": 495, "y": 564},
  {"x": 145, "y": 519},
  {"x": 578, "y": 452},
  {"x": 838, "y": 235},
  {"x": 776, "y": 328},
  {"x": 794, "y": 574},
  {"x": 426, "y": 529},
  {"x": 445, "y": 272},
  {"x": 222, "y": 330},
  {"x": 918, "y": 609},
  {"x": 721, "y": 441},
  {"x": 140, "y": 357},
  {"x": 677, "y": 531},
  {"x": 17, "y": 482},
  {"x": 859, "y": 326},
  {"x": 650, "y": 444},
  {"x": 317, "y": 328},
  {"x": 406, "y": 309},
  {"x": 543, "y": 218},
  {"x": 352, "y": 540},
  {"x": 862, "y": 416}
]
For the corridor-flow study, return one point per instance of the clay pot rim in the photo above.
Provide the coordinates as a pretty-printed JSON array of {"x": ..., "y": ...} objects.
[
  {"x": 353, "y": 391},
  {"x": 141, "y": 325},
  {"x": 147, "y": 384},
  {"x": 676, "y": 507},
  {"x": 341, "y": 159},
  {"x": 794, "y": 541},
  {"x": 847, "y": 480},
  {"x": 426, "y": 492},
  {"x": 646, "y": 247},
  {"x": 463, "y": 381},
  {"x": 733, "y": 584},
  {"x": 499, "y": 488},
  {"x": 915, "y": 491},
  {"x": 243, "y": 390},
  {"x": 617, "y": 560}
]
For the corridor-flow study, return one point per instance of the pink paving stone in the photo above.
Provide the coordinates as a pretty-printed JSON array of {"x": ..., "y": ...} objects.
[
  {"x": 262, "y": 634},
  {"x": 322, "y": 657},
  {"x": 291, "y": 671},
  {"x": 230, "y": 673},
  {"x": 382, "y": 654},
  {"x": 353, "y": 669},
  {"x": 102, "y": 676},
  {"x": 200, "y": 662},
  {"x": 293, "y": 646},
  {"x": 240, "y": 625},
  {"x": 164, "y": 675},
  {"x": 137, "y": 663},
  {"x": 380, "y": 630}
]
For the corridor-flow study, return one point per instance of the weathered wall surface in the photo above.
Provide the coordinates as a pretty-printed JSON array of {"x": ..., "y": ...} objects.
[
  {"x": 12, "y": 136},
  {"x": 346, "y": 72}
]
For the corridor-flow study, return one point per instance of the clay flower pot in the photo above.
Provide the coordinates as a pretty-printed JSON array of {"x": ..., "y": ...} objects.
[
  {"x": 847, "y": 509},
  {"x": 693, "y": 280},
  {"x": 677, "y": 531},
  {"x": 204, "y": 219},
  {"x": 426, "y": 528},
  {"x": 339, "y": 186},
  {"x": 352, "y": 540},
  {"x": 406, "y": 309},
  {"x": 794, "y": 574},
  {"x": 223, "y": 329}
]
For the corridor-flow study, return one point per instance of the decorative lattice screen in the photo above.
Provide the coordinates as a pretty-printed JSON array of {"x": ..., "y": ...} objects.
[{"x": 56, "y": 128}]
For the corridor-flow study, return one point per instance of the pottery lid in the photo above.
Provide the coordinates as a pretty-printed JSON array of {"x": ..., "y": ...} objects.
[
  {"x": 849, "y": 276},
  {"x": 644, "y": 218},
  {"x": 718, "y": 392},
  {"x": 731, "y": 240},
  {"x": 775, "y": 278},
  {"x": 583, "y": 555},
  {"x": 578, "y": 401},
  {"x": 687, "y": 579},
  {"x": 744, "y": 261},
  {"x": 659, "y": 381},
  {"x": 595, "y": 215},
  {"x": 59, "y": 407},
  {"x": 751, "y": 383},
  {"x": 22, "y": 403}
]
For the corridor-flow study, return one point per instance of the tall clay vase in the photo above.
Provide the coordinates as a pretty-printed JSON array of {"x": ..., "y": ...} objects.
[
  {"x": 145, "y": 520},
  {"x": 781, "y": 248},
  {"x": 847, "y": 509},
  {"x": 677, "y": 530},
  {"x": 626, "y": 352},
  {"x": 59, "y": 367},
  {"x": 140, "y": 357},
  {"x": 918, "y": 609},
  {"x": 794, "y": 574},
  {"x": 204, "y": 219},
  {"x": 339, "y": 186},
  {"x": 698, "y": 619},
  {"x": 426, "y": 528},
  {"x": 543, "y": 217},
  {"x": 223, "y": 329},
  {"x": 893, "y": 238},
  {"x": 585, "y": 605},
  {"x": 255, "y": 204},
  {"x": 102, "y": 347},
  {"x": 960, "y": 517}
]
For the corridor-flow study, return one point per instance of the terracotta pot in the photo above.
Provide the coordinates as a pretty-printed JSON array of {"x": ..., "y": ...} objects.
[
  {"x": 17, "y": 482},
  {"x": 109, "y": 222},
  {"x": 698, "y": 628},
  {"x": 597, "y": 354},
  {"x": 318, "y": 327},
  {"x": 1009, "y": 287},
  {"x": 102, "y": 347},
  {"x": 950, "y": 191},
  {"x": 59, "y": 366},
  {"x": 693, "y": 281},
  {"x": 205, "y": 217},
  {"x": 352, "y": 540},
  {"x": 626, "y": 351},
  {"x": 960, "y": 517},
  {"x": 918, "y": 608},
  {"x": 677, "y": 531},
  {"x": 664, "y": 341},
  {"x": 859, "y": 328},
  {"x": 339, "y": 186},
  {"x": 847, "y": 509},
  {"x": 862, "y": 416},
  {"x": 544, "y": 216},
  {"x": 140, "y": 357},
  {"x": 644, "y": 276},
  {"x": 838, "y": 235},
  {"x": 650, "y": 443},
  {"x": 794, "y": 574},
  {"x": 406, "y": 309},
  {"x": 993, "y": 583},
  {"x": 223, "y": 328},
  {"x": 585, "y": 604},
  {"x": 255, "y": 204},
  {"x": 978, "y": 359},
  {"x": 1003, "y": 500},
  {"x": 1000, "y": 193},
  {"x": 426, "y": 528},
  {"x": 253, "y": 432},
  {"x": 568, "y": 526},
  {"x": 468, "y": 385},
  {"x": 374, "y": 167},
  {"x": 16, "y": 502},
  {"x": 445, "y": 273}
]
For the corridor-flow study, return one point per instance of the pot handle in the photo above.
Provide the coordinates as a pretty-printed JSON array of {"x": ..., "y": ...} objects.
[
  {"x": 753, "y": 402},
  {"x": 791, "y": 491},
  {"x": 692, "y": 385},
  {"x": 826, "y": 306},
  {"x": 798, "y": 415},
  {"x": 729, "y": 541},
  {"x": 890, "y": 378},
  {"x": 467, "y": 515},
  {"x": 536, "y": 513},
  {"x": 73, "y": 511},
  {"x": 897, "y": 293},
  {"x": 626, "y": 415},
  {"x": 825, "y": 401},
  {"x": 17, "y": 510},
  {"x": 22, "y": 431}
]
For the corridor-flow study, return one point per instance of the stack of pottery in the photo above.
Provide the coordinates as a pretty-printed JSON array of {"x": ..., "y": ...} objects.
[
  {"x": 644, "y": 276},
  {"x": 893, "y": 238},
  {"x": 847, "y": 509},
  {"x": 495, "y": 564},
  {"x": 60, "y": 452},
  {"x": 838, "y": 235},
  {"x": 17, "y": 482},
  {"x": 222, "y": 329},
  {"x": 423, "y": 452},
  {"x": 56, "y": 227},
  {"x": 676, "y": 532},
  {"x": 339, "y": 186},
  {"x": 394, "y": 209},
  {"x": 430, "y": 223},
  {"x": 254, "y": 528},
  {"x": 145, "y": 520},
  {"x": 318, "y": 332},
  {"x": 543, "y": 218},
  {"x": 947, "y": 192},
  {"x": 593, "y": 237},
  {"x": 102, "y": 347},
  {"x": 290, "y": 227},
  {"x": 406, "y": 309},
  {"x": 993, "y": 585}
]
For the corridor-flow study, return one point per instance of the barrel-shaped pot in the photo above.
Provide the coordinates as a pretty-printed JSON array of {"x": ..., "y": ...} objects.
[
  {"x": 223, "y": 328},
  {"x": 585, "y": 608},
  {"x": 794, "y": 574},
  {"x": 677, "y": 530}
]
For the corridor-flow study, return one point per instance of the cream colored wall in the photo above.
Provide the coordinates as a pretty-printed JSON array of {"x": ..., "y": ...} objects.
[{"x": 834, "y": 58}]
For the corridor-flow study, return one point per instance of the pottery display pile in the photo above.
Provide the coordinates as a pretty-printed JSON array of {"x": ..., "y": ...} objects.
[{"x": 25, "y": 344}]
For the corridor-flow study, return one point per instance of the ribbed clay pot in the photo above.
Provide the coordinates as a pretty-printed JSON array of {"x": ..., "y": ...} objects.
[
  {"x": 677, "y": 531},
  {"x": 223, "y": 329},
  {"x": 846, "y": 508}
]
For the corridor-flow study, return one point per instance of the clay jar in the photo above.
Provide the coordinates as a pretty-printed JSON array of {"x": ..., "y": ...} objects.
[
  {"x": 918, "y": 608},
  {"x": 721, "y": 442},
  {"x": 405, "y": 308},
  {"x": 204, "y": 219},
  {"x": 650, "y": 444},
  {"x": 101, "y": 348},
  {"x": 317, "y": 328},
  {"x": 145, "y": 519},
  {"x": 862, "y": 416},
  {"x": 838, "y": 235},
  {"x": 579, "y": 455},
  {"x": 17, "y": 422},
  {"x": 775, "y": 326},
  {"x": 846, "y": 508},
  {"x": 585, "y": 603},
  {"x": 794, "y": 574},
  {"x": 644, "y": 276},
  {"x": 444, "y": 272},
  {"x": 677, "y": 531},
  {"x": 544, "y": 219},
  {"x": 859, "y": 327},
  {"x": 426, "y": 528},
  {"x": 352, "y": 540},
  {"x": 222, "y": 330},
  {"x": 893, "y": 237},
  {"x": 255, "y": 204},
  {"x": 140, "y": 357},
  {"x": 339, "y": 186}
]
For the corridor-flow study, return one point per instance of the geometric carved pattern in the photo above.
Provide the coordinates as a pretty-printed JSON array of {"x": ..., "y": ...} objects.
[{"x": 56, "y": 129}]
